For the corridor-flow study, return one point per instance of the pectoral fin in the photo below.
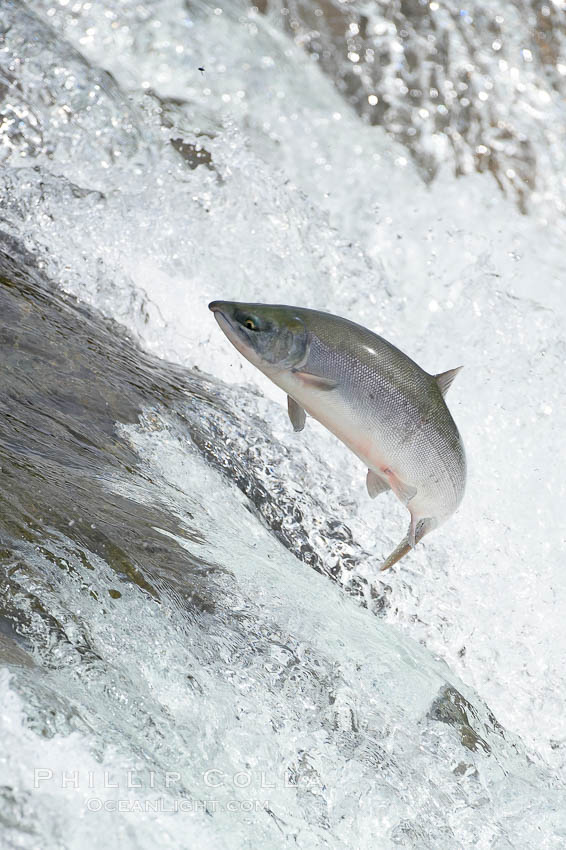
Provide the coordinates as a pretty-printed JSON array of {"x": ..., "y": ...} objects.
[
  {"x": 296, "y": 414},
  {"x": 317, "y": 382},
  {"x": 444, "y": 379},
  {"x": 375, "y": 484}
]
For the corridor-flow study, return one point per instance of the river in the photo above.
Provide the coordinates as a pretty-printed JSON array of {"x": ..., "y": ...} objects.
[{"x": 196, "y": 645}]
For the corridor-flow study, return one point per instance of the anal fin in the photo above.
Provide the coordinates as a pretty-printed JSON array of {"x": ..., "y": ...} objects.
[
  {"x": 296, "y": 414},
  {"x": 375, "y": 484},
  {"x": 402, "y": 490}
]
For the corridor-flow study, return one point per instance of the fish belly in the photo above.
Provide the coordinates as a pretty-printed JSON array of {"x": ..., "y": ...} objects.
[
  {"x": 328, "y": 408},
  {"x": 376, "y": 444}
]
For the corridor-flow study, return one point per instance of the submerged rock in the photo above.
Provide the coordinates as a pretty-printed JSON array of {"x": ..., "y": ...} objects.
[{"x": 452, "y": 84}]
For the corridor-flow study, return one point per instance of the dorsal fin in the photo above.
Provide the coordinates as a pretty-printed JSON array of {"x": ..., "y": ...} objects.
[{"x": 444, "y": 379}]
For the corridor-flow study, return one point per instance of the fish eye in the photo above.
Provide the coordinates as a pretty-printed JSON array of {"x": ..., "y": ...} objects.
[{"x": 249, "y": 321}]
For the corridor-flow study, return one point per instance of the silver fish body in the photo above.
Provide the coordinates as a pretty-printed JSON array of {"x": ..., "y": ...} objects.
[{"x": 375, "y": 399}]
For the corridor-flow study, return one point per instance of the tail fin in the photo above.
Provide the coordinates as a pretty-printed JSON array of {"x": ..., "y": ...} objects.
[
  {"x": 423, "y": 526},
  {"x": 399, "y": 552}
]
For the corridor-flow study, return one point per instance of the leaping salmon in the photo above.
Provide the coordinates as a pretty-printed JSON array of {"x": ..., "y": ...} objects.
[{"x": 375, "y": 399}]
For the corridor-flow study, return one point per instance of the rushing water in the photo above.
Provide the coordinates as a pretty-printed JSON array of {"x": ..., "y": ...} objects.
[{"x": 197, "y": 648}]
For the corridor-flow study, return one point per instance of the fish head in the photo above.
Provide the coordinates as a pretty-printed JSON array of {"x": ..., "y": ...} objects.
[{"x": 272, "y": 337}]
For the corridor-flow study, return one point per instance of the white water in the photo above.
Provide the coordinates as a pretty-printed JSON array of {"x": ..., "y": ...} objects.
[{"x": 309, "y": 205}]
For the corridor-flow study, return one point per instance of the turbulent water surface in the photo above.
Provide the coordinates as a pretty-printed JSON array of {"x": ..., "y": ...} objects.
[{"x": 196, "y": 646}]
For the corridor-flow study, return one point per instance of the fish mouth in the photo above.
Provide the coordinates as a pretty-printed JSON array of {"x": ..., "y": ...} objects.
[
  {"x": 222, "y": 317},
  {"x": 230, "y": 328}
]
